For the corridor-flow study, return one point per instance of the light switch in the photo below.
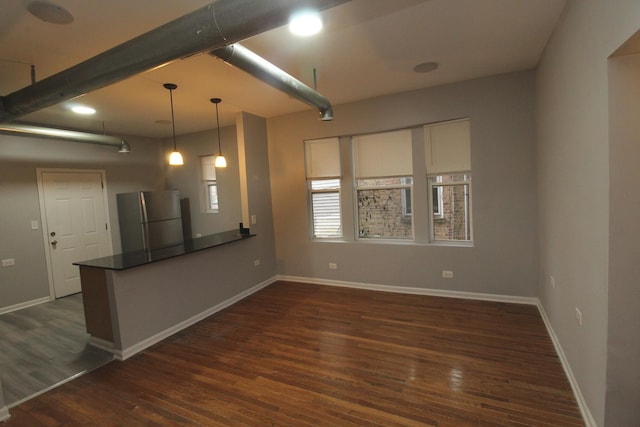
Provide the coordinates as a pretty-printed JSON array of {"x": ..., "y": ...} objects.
[
  {"x": 253, "y": 220},
  {"x": 34, "y": 224}
]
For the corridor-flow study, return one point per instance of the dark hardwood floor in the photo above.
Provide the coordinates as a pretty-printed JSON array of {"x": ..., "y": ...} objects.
[{"x": 298, "y": 354}]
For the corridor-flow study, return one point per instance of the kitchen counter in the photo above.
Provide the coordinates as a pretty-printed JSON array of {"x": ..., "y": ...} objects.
[
  {"x": 138, "y": 258},
  {"x": 132, "y": 300}
]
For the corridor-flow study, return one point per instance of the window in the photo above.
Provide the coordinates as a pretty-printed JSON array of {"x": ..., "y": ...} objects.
[
  {"x": 322, "y": 162},
  {"x": 383, "y": 183},
  {"x": 209, "y": 184},
  {"x": 325, "y": 208},
  {"x": 383, "y": 211},
  {"x": 448, "y": 160},
  {"x": 452, "y": 219}
]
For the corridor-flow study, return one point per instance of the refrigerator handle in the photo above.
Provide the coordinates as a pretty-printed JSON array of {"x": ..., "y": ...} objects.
[
  {"x": 143, "y": 205},
  {"x": 145, "y": 235}
]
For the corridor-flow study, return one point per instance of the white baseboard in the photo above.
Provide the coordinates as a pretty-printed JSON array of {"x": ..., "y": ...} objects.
[
  {"x": 4, "y": 413},
  {"x": 22, "y": 305},
  {"x": 415, "y": 291},
  {"x": 137, "y": 348},
  {"x": 582, "y": 404}
]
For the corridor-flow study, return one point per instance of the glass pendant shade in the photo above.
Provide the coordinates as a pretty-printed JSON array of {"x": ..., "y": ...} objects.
[
  {"x": 220, "y": 162},
  {"x": 175, "y": 159}
]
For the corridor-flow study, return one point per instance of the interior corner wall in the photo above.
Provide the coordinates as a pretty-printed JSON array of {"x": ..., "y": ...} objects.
[
  {"x": 503, "y": 259},
  {"x": 623, "y": 341},
  {"x": 252, "y": 136},
  {"x": 573, "y": 184},
  {"x": 20, "y": 156}
]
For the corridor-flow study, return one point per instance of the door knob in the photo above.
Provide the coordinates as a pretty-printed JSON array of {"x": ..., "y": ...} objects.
[{"x": 54, "y": 242}]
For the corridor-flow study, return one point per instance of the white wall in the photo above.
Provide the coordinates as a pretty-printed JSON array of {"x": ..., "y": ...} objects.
[
  {"x": 573, "y": 183},
  {"x": 19, "y": 203},
  {"x": 504, "y": 257}
]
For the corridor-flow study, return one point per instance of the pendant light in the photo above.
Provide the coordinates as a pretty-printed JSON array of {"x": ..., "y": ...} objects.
[
  {"x": 220, "y": 162},
  {"x": 175, "y": 158}
]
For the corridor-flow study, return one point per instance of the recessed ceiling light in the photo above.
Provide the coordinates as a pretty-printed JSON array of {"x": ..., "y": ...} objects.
[
  {"x": 305, "y": 24},
  {"x": 425, "y": 67},
  {"x": 49, "y": 12},
  {"x": 84, "y": 110}
]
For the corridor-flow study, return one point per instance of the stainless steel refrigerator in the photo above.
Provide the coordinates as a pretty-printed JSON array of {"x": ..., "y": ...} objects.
[{"x": 149, "y": 219}]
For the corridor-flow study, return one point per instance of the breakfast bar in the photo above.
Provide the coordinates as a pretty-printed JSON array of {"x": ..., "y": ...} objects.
[{"x": 133, "y": 300}]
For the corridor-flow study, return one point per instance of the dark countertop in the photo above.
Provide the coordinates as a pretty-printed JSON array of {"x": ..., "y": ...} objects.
[{"x": 138, "y": 258}]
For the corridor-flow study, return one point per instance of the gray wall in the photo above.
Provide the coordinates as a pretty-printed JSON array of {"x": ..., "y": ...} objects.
[
  {"x": 574, "y": 165},
  {"x": 623, "y": 341},
  {"x": 503, "y": 259},
  {"x": 19, "y": 203},
  {"x": 187, "y": 179}
]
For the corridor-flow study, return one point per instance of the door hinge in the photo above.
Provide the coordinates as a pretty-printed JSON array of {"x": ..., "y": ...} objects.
[
  {"x": 102, "y": 185},
  {"x": 106, "y": 226}
]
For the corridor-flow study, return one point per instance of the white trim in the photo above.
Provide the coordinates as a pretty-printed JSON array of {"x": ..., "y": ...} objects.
[
  {"x": 43, "y": 215},
  {"x": 26, "y": 304},
  {"x": 582, "y": 404},
  {"x": 4, "y": 414},
  {"x": 126, "y": 353},
  {"x": 414, "y": 291}
]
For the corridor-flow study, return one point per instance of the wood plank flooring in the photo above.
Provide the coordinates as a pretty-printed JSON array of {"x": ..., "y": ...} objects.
[
  {"x": 307, "y": 355},
  {"x": 43, "y": 345}
]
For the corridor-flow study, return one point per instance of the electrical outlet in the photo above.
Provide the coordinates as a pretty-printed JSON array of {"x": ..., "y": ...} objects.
[
  {"x": 579, "y": 316},
  {"x": 447, "y": 274},
  {"x": 552, "y": 280},
  {"x": 256, "y": 262},
  {"x": 8, "y": 262},
  {"x": 333, "y": 266}
]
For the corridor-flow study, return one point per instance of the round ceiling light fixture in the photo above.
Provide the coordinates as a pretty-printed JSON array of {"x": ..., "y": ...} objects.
[
  {"x": 83, "y": 109},
  {"x": 49, "y": 12},
  {"x": 425, "y": 67},
  {"x": 305, "y": 24}
]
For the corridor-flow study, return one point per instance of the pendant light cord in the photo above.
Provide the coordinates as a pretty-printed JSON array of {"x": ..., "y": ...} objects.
[
  {"x": 173, "y": 122},
  {"x": 218, "y": 122}
]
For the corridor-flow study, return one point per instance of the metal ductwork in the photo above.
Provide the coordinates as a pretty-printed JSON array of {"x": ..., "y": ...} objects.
[
  {"x": 241, "y": 57},
  {"x": 66, "y": 135},
  {"x": 216, "y": 25}
]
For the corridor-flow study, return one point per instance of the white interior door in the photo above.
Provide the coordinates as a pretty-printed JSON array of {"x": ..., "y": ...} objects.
[{"x": 75, "y": 224}]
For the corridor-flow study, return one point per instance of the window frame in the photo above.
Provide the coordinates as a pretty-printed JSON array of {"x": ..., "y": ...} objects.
[
  {"x": 435, "y": 181},
  {"x": 206, "y": 184},
  {"x": 402, "y": 186},
  {"x": 312, "y": 211}
]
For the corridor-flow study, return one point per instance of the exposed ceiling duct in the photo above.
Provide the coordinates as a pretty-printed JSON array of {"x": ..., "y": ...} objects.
[
  {"x": 216, "y": 25},
  {"x": 241, "y": 57},
  {"x": 66, "y": 135}
]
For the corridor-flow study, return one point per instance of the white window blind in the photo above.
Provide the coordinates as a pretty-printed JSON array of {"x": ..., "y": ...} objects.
[
  {"x": 448, "y": 147},
  {"x": 322, "y": 158},
  {"x": 208, "y": 169},
  {"x": 383, "y": 154}
]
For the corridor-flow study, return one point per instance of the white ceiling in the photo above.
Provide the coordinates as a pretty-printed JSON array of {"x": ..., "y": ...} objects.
[{"x": 367, "y": 48}]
